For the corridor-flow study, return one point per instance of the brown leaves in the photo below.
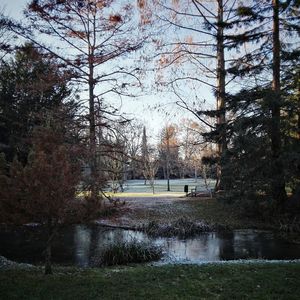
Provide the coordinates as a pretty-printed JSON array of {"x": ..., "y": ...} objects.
[
  {"x": 35, "y": 7},
  {"x": 141, "y": 4},
  {"x": 101, "y": 4},
  {"x": 77, "y": 34},
  {"x": 46, "y": 186},
  {"x": 145, "y": 12},
  {"x": 115, "y": 19},
  {"x": 13, "y": 195},
  {"x": 164, "y": 60}
]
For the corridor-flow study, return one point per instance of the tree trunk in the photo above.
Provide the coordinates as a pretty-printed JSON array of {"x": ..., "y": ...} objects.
[
  {"x": 92, "y": 127},
  {"x": 168, "y": 172},
  {"x": 278, "y": 182},
  {"x": 298, "y": 123},
  {"x": 221, "y": 145},
  {"x": 48, "y": 264},
  {"x": 168, "y": 158},
  {"x": 152, "y": 185}
]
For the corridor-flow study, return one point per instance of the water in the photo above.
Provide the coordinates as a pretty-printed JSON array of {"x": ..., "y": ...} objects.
[{"x": 77, "y": 245}]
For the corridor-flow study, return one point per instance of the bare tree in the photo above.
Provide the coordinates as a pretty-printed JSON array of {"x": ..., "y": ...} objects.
[
  {"x": 116, "y": 158},
  {"x": 145, "y": 155},
  {"x": 169, "y": 151},
  {"x": 5, "y": 39},
  {"x": 192, "y": 145},
  {"x": 195, "y": 59},
  {"x": 90, "y": 38},
  {"x": 115, "y": 164},
  {"x": 132, "y": 133},
  {"x": 150, "y": 168}
]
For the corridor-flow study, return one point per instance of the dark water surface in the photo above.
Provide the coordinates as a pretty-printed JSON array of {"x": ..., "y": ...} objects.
[{"x": 80, "y": 244}]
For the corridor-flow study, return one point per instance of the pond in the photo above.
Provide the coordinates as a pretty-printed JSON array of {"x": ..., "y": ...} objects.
[{"x": 77, "y": 245}]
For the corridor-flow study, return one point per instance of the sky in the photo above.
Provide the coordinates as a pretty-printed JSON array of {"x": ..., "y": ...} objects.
[{"x": 141, "y": 107}]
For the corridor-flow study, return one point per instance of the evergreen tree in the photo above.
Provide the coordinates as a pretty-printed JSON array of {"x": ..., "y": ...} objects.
[
  {"x": 256, "y": 155},
  {"x": 44, "y": 189},
  {"x": 30, "y": 84}
]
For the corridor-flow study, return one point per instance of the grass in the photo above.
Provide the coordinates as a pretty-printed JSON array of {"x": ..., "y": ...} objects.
[
  {"x": 181, "y": 228},
  {"x": 208, "y": 210},
  {"x": 228, "y": 281},
  {"x": 144, "y": 194},
  {"x": 128, "y": 252},
  {"x": 138, "y": 187}
]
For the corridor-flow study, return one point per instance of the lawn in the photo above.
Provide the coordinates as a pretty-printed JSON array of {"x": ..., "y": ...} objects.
[
  {"x": 209, "y": 210},
  {"x": 211, "y": 281},
  {"x": 164, "y": 206},
  {"x": 134, "y": 188}
]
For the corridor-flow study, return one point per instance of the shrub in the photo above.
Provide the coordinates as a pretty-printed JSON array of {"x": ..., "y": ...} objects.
[
  {"x": 182, "y": 227},
  {"x": 128, "y": 252}
]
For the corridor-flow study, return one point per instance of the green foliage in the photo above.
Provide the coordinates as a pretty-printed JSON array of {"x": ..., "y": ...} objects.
[
  {"x": 248, "y": 170},
  {"x": 45, "y": 187},
  {"x": 245, "y": 11},
  {"x": 263, "y": 132},
  {"x": 30, "y": 84},
  {"x": 291, "y": 127},
  {"x": 213, "y": 281}
]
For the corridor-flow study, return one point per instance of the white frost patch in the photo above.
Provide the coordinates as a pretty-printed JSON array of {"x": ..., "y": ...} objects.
[
  {"x": 32, "y": 224},
  {"x": 6, "y": 264},
  {"x": 227, "y": 262}
]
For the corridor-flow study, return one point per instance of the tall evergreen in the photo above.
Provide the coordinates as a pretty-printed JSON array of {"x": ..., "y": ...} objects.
[
  {"x": 30, "y": 84},
  {"x": 257, "y": 153}
]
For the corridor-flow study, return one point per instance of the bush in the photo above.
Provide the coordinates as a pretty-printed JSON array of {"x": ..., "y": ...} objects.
[
  {"x": 289, "y": 224},
  {"x": 128, "y": 252},
  {"x": 182, "y": 228}
]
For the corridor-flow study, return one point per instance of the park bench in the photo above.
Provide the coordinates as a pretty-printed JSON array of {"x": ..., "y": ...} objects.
[
  {"x": 196, "y": 190},
  {"x": 200, "y": 191}
]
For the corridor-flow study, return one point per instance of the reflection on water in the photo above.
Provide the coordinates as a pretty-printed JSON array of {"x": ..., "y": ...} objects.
[
  {"x": 202, "y": 248},
  {"x": 82, "y": 241},
  {"x": 79, "y": 244}
]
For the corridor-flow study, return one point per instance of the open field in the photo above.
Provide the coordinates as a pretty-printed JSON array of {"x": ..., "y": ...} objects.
[
  {"x": 210, "y": 281},
  {"x": 137, "y": 188}
]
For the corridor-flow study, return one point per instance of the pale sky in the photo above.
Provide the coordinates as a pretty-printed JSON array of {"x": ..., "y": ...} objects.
[{"x": 141, "y": 107}]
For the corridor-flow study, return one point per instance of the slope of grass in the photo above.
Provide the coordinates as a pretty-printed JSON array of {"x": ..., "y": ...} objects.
[
  {"x": 228, "y": 281},
  {"x": 196, "y": 209}
]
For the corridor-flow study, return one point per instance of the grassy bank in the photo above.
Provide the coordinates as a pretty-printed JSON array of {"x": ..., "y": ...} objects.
[
  {"x": 212, "y": 212},
  {"x": 195, "y": 209},
  {"x": 227, "y": 281}
]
